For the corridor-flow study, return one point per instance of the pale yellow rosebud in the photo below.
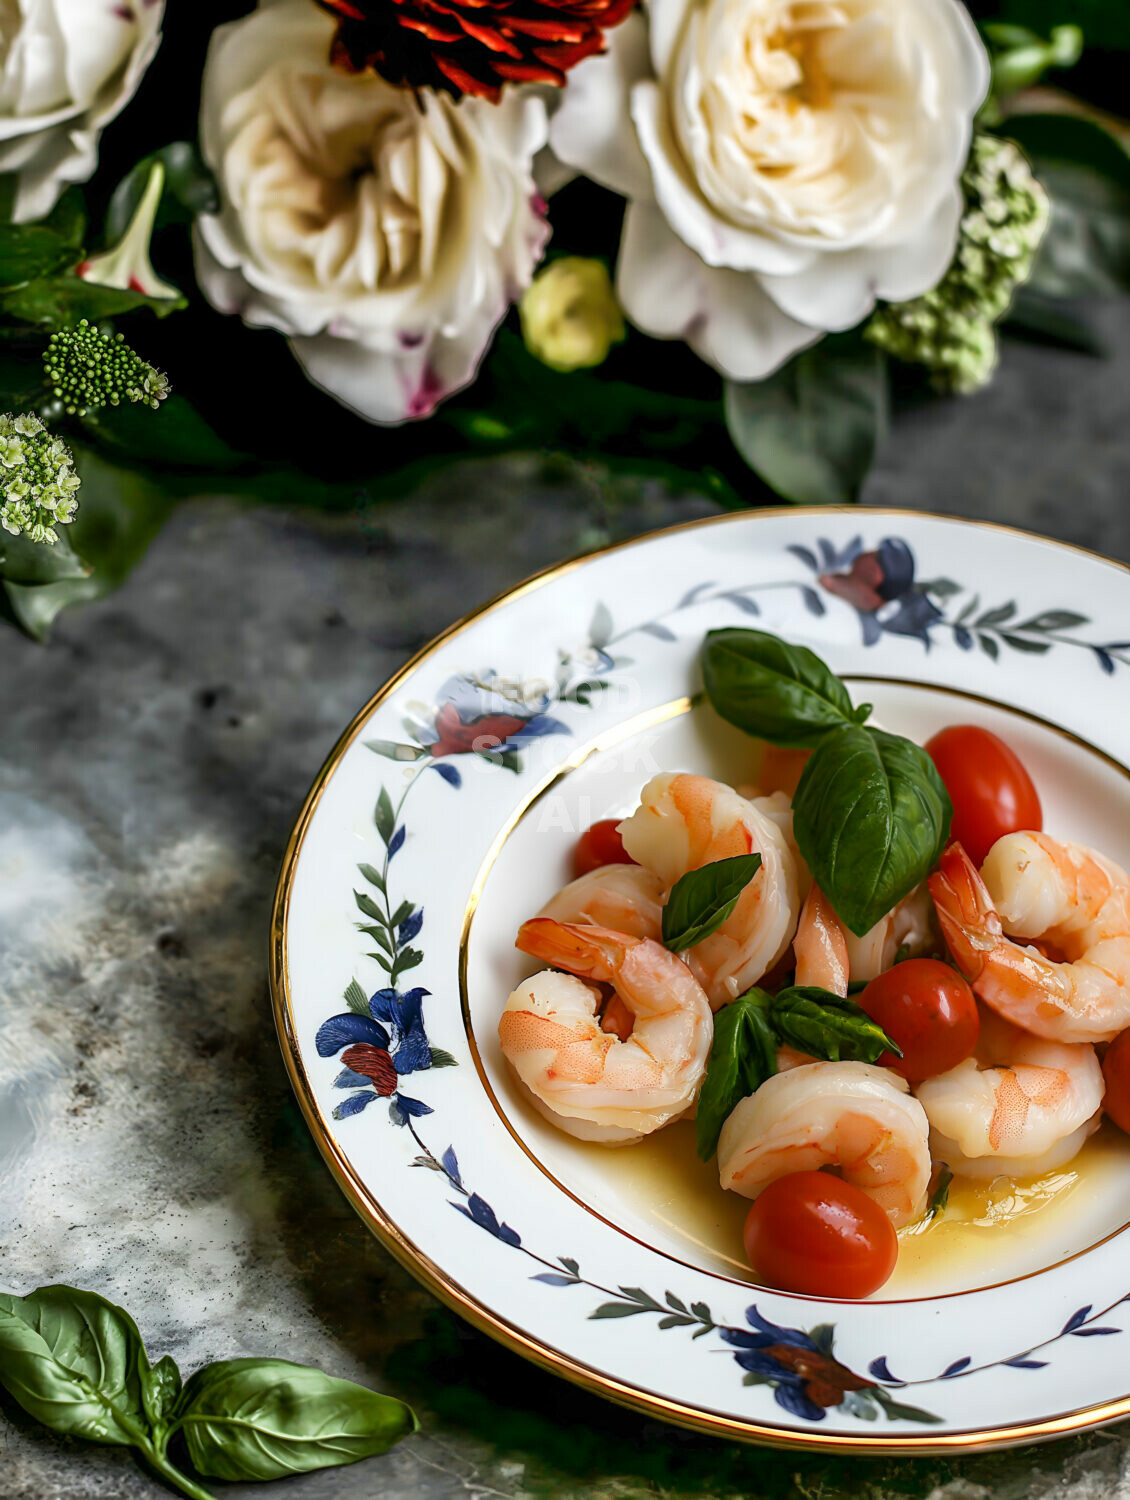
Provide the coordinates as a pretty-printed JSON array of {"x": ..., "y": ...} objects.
[{"x": 570, "y": 316}]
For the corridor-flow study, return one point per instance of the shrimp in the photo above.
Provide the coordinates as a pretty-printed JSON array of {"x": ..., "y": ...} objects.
[
  {"x": 1021, "y": 1107},
  {"x": 582, "y": 1079},
  {"x": 910, "y": 925},
  {"x": 684, "y": 822},
  {"x": 626, "y": 898},
  {"x": 821, "y": 945},
  {"x": 852, "y": 1115},
  {"x": 1061, "y": 895}
]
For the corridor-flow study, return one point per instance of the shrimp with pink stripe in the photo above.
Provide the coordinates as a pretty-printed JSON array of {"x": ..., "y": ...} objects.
[
  {"x": 684, "y": 822},
  {"x": 1034, "y": 890},
  {"x": 585, "y": 1080},
  {"x": 1022, "y": 1106}
]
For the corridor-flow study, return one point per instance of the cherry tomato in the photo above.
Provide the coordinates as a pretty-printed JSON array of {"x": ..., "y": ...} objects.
[
  {"x": 818, "y": 1235},
  {"x": 600, "y": 845},
  {"x": 991, "y": 792},
  {"x": 1116, "y": 1071},
  {"x": 929, "y": 1010}
]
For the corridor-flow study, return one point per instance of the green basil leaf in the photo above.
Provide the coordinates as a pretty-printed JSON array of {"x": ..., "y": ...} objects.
[
  {"x": 939, "y": 1191},
  {"x": 827, "y": 1026},
  {"x": 160, "y": 1390},
  {"x": 782, "y": 693},
  {"x": 742, "y": 1056},
  {"x": 701, "y": 900},
  {"x": 262, "y": 1419},
  {"x": 810, "y": 429},
  {"x": 76, "y": 1363},
  {"x": 870, "y": 817}
]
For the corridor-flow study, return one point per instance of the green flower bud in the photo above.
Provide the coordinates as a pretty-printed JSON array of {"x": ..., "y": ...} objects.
[
  {"x": 570, "y": 316},
  {"x": 38, "y": 483},
  {"x": 951, "y": 330},
  {"x": 89, "y": 367}
]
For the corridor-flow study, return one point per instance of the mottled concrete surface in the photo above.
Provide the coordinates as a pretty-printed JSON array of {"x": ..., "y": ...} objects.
[{"x": 151, "y": 762}]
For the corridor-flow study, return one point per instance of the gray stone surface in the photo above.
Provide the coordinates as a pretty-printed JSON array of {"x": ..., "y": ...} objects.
[{"x": 151, "y": 762}]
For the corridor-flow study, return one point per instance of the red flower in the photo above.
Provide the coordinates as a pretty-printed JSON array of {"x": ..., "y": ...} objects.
[
  {"x": 470, "y": 46},
  {"x": 486, "y": 733},
  {"x": 824, "y": 1379},
  {"x": 373, "y": 1063},
  {"x": 861, "y": 585}
]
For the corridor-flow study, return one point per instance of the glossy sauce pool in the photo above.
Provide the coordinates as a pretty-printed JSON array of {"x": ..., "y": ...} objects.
[{"x": 986, "y": 1231}]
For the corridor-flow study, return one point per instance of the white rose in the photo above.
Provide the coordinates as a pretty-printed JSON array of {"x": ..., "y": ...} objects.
[
  {"x": 67, "y": 67},
  {"x": 788, "y": 162},
  {"x": 385, "y": 234}
]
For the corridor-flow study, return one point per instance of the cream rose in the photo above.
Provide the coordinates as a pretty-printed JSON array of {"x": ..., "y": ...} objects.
[
  {"x": 67, "y": 67},
  {"x": 385, "y": 234},
  {"x": 787, "y": 163}
]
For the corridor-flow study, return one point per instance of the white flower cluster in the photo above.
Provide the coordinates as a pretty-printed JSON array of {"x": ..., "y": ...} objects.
[{"x": 37, "y": 480}]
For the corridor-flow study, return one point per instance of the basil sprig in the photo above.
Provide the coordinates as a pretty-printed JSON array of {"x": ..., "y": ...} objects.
[
  {"x": 748, "y": 1032},
  {"x": 77, "y": 1364},
  {"x": 702, "y": 899},
  {"x": 781, "y": 693},
  {"x": 870, "y": 815}
]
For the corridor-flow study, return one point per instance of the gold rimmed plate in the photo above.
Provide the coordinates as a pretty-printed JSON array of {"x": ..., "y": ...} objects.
[{"x": 447, "y": 813}]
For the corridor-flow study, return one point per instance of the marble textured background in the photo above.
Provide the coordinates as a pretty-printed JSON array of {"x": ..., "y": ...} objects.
[{"x": 151, "y": 762}]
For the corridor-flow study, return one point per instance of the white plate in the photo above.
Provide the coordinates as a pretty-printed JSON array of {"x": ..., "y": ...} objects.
[{"x": 622, "y": 1270}]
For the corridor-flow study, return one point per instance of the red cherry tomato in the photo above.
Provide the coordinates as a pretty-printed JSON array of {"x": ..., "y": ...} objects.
[
  {"x": 929, "y": 1010},
  {"x": 600, "y": 845},
  {"x": 818, "y": 1235},
  {"x": 991, "y": 792},
  {"x": 1116, "y": 1071}
]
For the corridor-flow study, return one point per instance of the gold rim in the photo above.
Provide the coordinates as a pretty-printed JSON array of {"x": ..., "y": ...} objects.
[{"x": 433, "y": 1276}]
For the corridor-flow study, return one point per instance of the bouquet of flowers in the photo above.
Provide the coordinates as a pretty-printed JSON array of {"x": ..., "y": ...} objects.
[{"x": 696, "y": 238}]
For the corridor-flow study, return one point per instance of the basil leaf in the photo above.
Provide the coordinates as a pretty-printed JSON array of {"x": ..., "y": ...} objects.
[
  {"x": 702, "y": 899},
  {"x": 267, "y": 1418},
  {"x": 939, "y": 1191},
  {"x": 782, "y": 693},
  {"x": 870, "y": 817},
  {"x": 76, "y": 1363},
  {"x": 742, "y": 1057},
  {"x": 827, "y": 1026}
]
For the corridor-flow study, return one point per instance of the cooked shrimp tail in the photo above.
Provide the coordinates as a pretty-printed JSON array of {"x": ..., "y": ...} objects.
[
  {"x": 613, "y": 1083},
  {"x": 821, "y": 945}
]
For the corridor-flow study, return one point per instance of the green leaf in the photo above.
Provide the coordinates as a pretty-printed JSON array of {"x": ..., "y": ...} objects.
[
  {"x": 617, "y": 1310},
  {"x": 827, "y": 1026},
  {"x": 743, "y": 1056},
  {"x": 405, "y": 909},
  {"x": 940, "y": 1196},
  {"x": 897, "y": 1412},
  {"x": 441, "y": 1059},
  {"x": 1021, "y": 56},
  {"x": 395, "y": 749},
  {"x": 1041, "y": 320},
  {"x": 1086, "y": 250},
  {"x": 261, "y": 1419},
  {"x": 160, "y": 1391},
  {"x": 356, "y": 999},
  {"x": 366, "y": 904},
  {"x": 61, "y": 301},
  {"x": 779, "y": 692},
  {"x": 383, "y": 816},
  {"x": 407, "y": 958},
  {"x": 175, "y": 436},
  {"x": 810, "y": 429},
  {"x": 701, "y": 900},
  {"x": 76, "y": 1363},
  {"x": 373, "y": 876},
  {"x": 379, "y": 936},
  {"x": 870, "y": 817},
  {"x": 25, "y": 561},
  {"x": 29, "y": 251},
  {"x": 189, "y": 189}
]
